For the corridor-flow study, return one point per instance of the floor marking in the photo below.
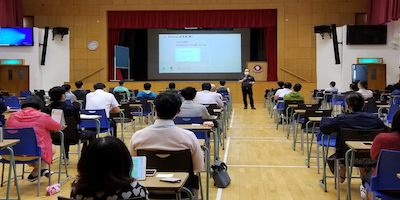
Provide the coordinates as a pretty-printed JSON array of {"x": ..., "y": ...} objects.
[
  {"x": 256, "y": 137},
  {"x": 233, "y": 114},
  {"x": 219, "y": 193},
  {"x": 271, "y": 166},
  {"x": 264, "y": 141}
]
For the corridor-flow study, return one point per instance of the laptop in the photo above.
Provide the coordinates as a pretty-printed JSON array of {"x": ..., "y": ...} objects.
[{"x": 139, "y": 168}]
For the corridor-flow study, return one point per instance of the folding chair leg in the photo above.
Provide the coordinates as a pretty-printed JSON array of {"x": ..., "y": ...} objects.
[
  {"x": 39, "y": 176},
  {"x": 2, "y": 176},
  {"x": 318, "y": 158},
  {"x": 337, "y": 178},
  {"x": 79, "y": 150}
]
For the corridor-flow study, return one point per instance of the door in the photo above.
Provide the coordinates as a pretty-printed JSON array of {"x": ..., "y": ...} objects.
[
  {"x": 14, "y": 78},
  {"x": 376, "y": 76}
]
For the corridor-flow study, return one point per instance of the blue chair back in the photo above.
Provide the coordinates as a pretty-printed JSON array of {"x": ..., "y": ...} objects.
[
  {"x": 111, "y": 90},
  {"x": 12, "y": 102},
  {"x": 387, "y": 168},
  {"x": 371, "y": 107},
  {"x": 104, "y": 123},
  {"x": 191, "y": 120},
  {"x": 68, "y": 102},
  {"x": 392, "y": 110},
  {"x": 25, "y": 93},
  {"x": 27, "y": 145}
]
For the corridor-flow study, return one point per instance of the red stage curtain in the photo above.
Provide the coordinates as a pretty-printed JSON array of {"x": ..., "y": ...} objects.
[
  {"x": 270, "y": 48},
  {"x": 10, "y": 13},
  {"x": 205, "y": 19},
  {"x": 383, "y": 11}
]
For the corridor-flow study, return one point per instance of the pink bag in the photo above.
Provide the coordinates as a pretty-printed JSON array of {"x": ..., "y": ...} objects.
[{"x": 52, "y": 189}]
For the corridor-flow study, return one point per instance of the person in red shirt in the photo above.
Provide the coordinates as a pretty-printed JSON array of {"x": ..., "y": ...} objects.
[{"x": 389, "y": 141}]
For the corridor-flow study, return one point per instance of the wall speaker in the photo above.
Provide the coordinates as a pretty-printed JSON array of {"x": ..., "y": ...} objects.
[{"x": 60, "y": 30}]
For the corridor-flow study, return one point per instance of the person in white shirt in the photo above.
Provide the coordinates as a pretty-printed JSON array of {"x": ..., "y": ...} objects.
[
  {"x": 286, "y": 90},
  {"x": 208, "y": 97},
  {"x": 331, "y": 87},
  {"x": 362, "y": 85},
  {"x": 100, "y": 99},
  {"x": 189, "y": 108},
  {"x": 165, "y": 135}
]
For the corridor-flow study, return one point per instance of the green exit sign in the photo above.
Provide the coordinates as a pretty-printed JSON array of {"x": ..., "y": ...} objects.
[
  {"x": 370, "y": 60},
  {"x": 11, "y": 62}
]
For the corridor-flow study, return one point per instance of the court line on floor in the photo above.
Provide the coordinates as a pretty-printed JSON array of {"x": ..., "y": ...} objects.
[
  {"x": 264, "y": 141},
  {"x": 233, "y": 115},
  {"x": 219, "y": 193},
  {"x": 271, "y": 166},
  {"x": 234, "y": 137}
]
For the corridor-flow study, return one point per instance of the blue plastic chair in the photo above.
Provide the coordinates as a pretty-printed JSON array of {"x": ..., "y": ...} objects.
[
  {"x": 387, "y": 168},
  {"x": 27, "y": 145},
  {"x": 111, "y": 90},
  {"x": 12, "y": 102},
  {"x": 192, "y": 120},
  {"x": 392, "y": 110},
  {"x": 104, "y": 123},
  {"x": 68, "y": 102},
  {"x": 25, "y": 93}
]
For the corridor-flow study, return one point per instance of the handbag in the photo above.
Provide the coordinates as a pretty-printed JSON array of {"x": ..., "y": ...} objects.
[{"x": 220, "y": 174}]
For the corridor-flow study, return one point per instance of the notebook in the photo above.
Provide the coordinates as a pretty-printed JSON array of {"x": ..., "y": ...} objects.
[
  {"x": 139, "y": 167},
  {"x": 58, "y": 116}
]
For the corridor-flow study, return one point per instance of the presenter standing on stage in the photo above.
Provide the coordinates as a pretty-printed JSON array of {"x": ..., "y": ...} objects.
[{"x": 247, "y": 82}]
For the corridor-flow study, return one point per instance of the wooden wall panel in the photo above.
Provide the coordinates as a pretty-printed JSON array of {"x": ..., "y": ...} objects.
[{"x": 87, "y": 20}]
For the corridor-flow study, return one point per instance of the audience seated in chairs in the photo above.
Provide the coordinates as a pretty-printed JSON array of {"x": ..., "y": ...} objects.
[
  {"x": 42, "y": 123},
  {"x": 104, "y": 171},
  {"x": 362, "y": 85},
  {"x": 208, "y": 97},
  {"x": 57, "y": 95},
  {"x": 68, "y": 93},
  {"x": 355, "y": 119},
  {"x": 79, "y": 92},
  {"x": 294, "y": 95},
  {"x": 222, "y": 88},
  {"x": 390, "y": 141},
  {"x": 146, "y": 93},
  {"x": 121, "y": 88},
  {"x": 286, "y": 90},
  {"x": 171, "y": 88},
  {"x": 189, "y": 108},
  {"x": 164, "y": 135},
  {"x": 100, "y": 99}
]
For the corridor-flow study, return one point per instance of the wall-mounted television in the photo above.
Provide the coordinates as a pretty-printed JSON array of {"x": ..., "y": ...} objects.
[
  {"x": 16, "y": 36},
  {"x": 366, "y": 34}
]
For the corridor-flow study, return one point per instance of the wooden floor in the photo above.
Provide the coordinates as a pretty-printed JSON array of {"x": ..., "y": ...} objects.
[{"x": 261, "y": 164}]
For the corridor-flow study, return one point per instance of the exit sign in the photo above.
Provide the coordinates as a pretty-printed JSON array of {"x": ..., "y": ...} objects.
[
  {"x": 369, "y": 60},
  {"x": 11, "y": 62}
]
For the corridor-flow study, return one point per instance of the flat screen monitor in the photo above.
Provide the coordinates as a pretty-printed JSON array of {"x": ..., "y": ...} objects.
[
  {"x": 16, "y": 36},
  {"x": 366, "y": 34}
]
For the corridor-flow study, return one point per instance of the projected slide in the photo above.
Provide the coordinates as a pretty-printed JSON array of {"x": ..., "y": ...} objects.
[{"x": 200, "y": 53}]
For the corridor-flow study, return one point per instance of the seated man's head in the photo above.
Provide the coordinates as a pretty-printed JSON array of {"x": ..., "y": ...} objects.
[
  {"x": 332, "y": 84},
  {"x": 355, "y": 101},
  {"x": 79, "y": 84},
  {"x": 147, "y": 86},
  {"x": 171, "y": 85},
  {"x": 280, "y": 84},
  {"x": 288, "y": 85},
  {"x": 32, "y": 101},
  {"x": 397, "y": 86},
  {"x": 222, "y": 82},
  {"x": 189, "y": 93},
  {"x": 297, "y": 87},
  {"x": 213, "y": 88},
  {"x": 167, "y": 105},
  {"x": 353, "y": 87},
  {"x": 121, "y": 83},
  {"x": 99, "y": 86},
  {"x": 57, "y": 94},
  {"x": 67, "y": 87},
  {"x": 206, "y": 86},
  {"x": 362, "y": 85}
]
